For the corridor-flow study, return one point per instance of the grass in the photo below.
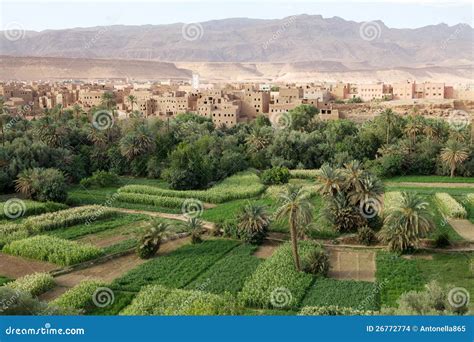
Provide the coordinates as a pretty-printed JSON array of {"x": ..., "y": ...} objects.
[
  {"x": 121, "y": 300},
  {"x": 450, "y": 269},
  {"x": 178, "y": 268},
  {"x": 442, "y": 226},
  {"x": 430, "y": 179},
  {"x": 4, "y": 280},
  {"x": 396, "y": 275},
  {"x": 359, "y": 295},
  {"x": 122, "y": 246},
  {"x": 229, "y": 273},
  {"x": 99, "y": 226}
]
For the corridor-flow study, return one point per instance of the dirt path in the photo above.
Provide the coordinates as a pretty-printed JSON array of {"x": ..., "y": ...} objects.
[
  {"x": 266, "y": 249},
  {"x": 179, "y": 217},
  {"x": 432, "y": 185},
  {"x": 351, "y": 264},
  {"x": 464, "y": 228},
  {"x": 15, "y": 267},
  {"x": 107, "y": 271}
]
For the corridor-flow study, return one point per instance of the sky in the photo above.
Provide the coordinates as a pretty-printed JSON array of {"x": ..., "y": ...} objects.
[{"x": 40, "y": 15}]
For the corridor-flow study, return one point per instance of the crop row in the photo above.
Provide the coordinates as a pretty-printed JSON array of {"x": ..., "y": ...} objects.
[
  {"x": 276, "y": 281},
  {"x": 229, "y": 273},
  {"x": 34, "y": 284},
  {"x": 52, "y": 249},
  {"x": 159, "y": 300},
  {"x": 304, "y": 173},
  {"x": 142, "y": 198},
  {"x": 178, "y": 268},
  {"x": 82, "y": 296},
  {"x": 449, "y": 206},
  {"x": 24, "y": 208},
  {"x": 243, "y": 185}
]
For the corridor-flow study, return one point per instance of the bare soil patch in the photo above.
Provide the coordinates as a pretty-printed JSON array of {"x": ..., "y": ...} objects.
[
  {"x": 464, "y": 228},
  {"x": 266, "y": 249},
  {"x": 351, "y": 264},
  {"x": 416, "y": 256},
  {"x": 15, "y": 267}
]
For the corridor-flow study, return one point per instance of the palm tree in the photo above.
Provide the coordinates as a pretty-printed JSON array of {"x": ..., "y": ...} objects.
[
  {"x": 195, "y": 227},
  {"x": 371, "y": 187},
  {"x": 412, "y": 129},
  {"x": 331, "y": 180},
  {"x": 132, "y": 100},
  {"x": 407, "y": 222},
  {"x": 77, "y": 110},
  {"x": 296, "y": 206},
  {"x": 136, "y": 143},
  {"x": 258, "y": 139},
  {"x": 389, "y": 117},
  {"x": 150, "y": 241},
  {"x": 253, "y": 222},
  {"x": 108, "y": 100},
  {"x": 454, "y": 154},
  {"x": 25, "y": 181},
  {"x": 352, "y": 174}
]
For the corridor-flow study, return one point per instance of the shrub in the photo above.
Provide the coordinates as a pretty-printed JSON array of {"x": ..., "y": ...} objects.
[
  {"x": 80, "y": 297},
  {"x": 276, "y": 281},
  {"x": 317, "y": 262},
  {"x": 239, "y": 186},
  {"x": 100, "y": 179},
  {"x": 442, "y": 240},
  {"x": 42, "y": 184},
  {"x": 275, "y": 176},
  {"x": 365, "y": 236},
  {"x": 229, "y": 228},
  {"x": 34, "y": 284},
  {"x": 304, "y": 174},
  {"x": 151, "y": 240},
  {"x": 159, "y": 300},
  {"x": 67, "y": 218},
  {"x": 449, "y": 206},
  {"x": 333, "y": 310},
  {"x": 16, "y": 302},
  {"x": 52, "y": 249}
]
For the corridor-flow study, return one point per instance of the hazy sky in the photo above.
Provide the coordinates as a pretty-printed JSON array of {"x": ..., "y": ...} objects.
[{"x": 55, "y": 14}]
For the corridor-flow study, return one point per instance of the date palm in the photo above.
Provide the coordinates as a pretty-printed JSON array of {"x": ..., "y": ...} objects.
[
  {"x": 453, "y": 155},
  {"x": 295, "y": 205},
  {"x": 150, "y": 241},
  {"x": 137, "y": 142},
  {"x": 412, "y": 129},
  {"x": 195, "y": 227},
  {"x": 131, "y": 99},
  {"x": 108, "y": 100},
  {"x": 253, "y": 222},
  {"x": 389, "y": 117},
  {"x": 407, "y": 222},
  {"x": 25, "y": 181},
  {"x": 352, "y": 174},
  {"x": 258, "y": 139},
  {"x": 331, "y": 180}
]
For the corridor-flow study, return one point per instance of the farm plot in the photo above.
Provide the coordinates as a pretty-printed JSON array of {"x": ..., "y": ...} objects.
[
  {"x": 242, "y": 185},
  {"x": 229, "y": 273},
  {"x": 276, "y": 278},
  {"x": 177, "y": 269},
  {"x": 358, "y": 295},
  {"x": 17, "y": 209},
  {"x": 351, "y": 264}
]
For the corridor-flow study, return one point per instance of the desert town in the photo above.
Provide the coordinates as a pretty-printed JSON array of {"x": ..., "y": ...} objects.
[{"x": 228, "y": 104}]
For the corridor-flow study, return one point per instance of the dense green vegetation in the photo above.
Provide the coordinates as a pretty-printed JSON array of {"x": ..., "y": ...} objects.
[
  {"x": 177, "y": 268},
  {"x": 30, "y": 208},
  {"x": 358, "y": 295},
  {"x": 229, "y": 273}
]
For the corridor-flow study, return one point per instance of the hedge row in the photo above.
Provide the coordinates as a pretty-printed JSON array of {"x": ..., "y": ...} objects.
[
  {"x": 142, "y": 198},
  {"x": 277, "y": 281},
  {"x": 449, "y": 206},
  {"x": 304, "y": 174},
  {"x": 159, "y": 300},
  {"x": 67, "y": 218},
  {"x": 35, "y": 284},
  {"x": 52, "y": 249},
  {"x": 334, "y": 310},
  {"x": 243, "y": 185},
  {"x": 32, "y": 208},
  {"x": 80, "y": 297}
]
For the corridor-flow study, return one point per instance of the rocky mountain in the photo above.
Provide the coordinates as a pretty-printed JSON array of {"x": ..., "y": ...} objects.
[{"x": 334, "y": 42}]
